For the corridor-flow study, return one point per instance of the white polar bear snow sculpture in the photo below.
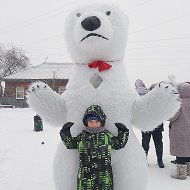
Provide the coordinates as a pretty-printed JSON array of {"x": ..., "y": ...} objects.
[{"x": 99, "y": 32}]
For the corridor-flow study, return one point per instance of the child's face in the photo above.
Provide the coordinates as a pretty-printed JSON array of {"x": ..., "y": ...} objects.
[{"x": 94, "y": 124}]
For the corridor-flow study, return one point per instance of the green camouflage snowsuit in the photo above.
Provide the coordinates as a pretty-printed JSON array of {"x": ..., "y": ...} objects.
[{"x": 95, "y": 170}]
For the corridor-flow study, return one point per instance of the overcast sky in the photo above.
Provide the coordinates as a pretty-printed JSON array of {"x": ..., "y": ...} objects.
[{"x": 159, "y": 34}]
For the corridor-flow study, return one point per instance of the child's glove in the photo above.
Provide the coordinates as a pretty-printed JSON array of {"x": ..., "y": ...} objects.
[
  {"x": 66, "y": 127},
  {"x": 121, "y": 127}
]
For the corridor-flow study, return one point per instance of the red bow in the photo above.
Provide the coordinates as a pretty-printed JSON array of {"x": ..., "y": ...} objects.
[{"x": 102, "y": 65}]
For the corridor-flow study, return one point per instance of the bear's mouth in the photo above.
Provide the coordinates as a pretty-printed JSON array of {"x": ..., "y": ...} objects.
[{"x": 94, "y": 34}]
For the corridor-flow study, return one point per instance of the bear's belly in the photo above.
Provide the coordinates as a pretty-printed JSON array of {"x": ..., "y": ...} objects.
[
  {"x": 83, "y": 99},
  {"x": 115, "y": 102}
]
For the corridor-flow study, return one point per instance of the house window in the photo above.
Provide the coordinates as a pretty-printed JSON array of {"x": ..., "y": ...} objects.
[
  {"x": 20, "y": 93},
  {"x": 61, "y": 89}
]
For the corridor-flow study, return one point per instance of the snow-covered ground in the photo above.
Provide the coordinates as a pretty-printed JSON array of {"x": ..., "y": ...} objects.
[{"x": 26, "y": 164}]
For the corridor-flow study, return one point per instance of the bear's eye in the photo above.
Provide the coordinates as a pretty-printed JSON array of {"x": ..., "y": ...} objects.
[
  {"x": 108, "y": 13},
  {"x": 78, "y": 14}
]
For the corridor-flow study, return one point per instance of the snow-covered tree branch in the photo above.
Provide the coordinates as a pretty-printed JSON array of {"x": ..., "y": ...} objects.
[{"x": 12, "y": 60}]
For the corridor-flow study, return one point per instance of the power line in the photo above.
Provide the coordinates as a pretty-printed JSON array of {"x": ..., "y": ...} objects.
[
  {"x": 155, "y": 26},
  {"x": 29, "y": 23},
  {"x": 49, "y": 54},
  {"x": 158, "y": 40},
  {"x": 45, "y": 39},
  {"x": 129, "y": 49},
  {"x": 51, "y": 37},
  {"x": 165, "y": 64},
  {"x": 52, "y": 48},
  {"x": 158, "y": 24},
  {"x": 35, "y": 19},
  {"x": 157, "y": 59},
  {"x": 156, "y": 46},
  {"x": 163, "y": 53},
  {"x": 138, "y": 5},
  {"x": 132, "y": 42}
]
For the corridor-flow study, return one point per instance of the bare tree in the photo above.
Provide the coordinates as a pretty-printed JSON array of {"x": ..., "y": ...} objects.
[
  {"x": 12, "y": 60},
  {"x": 1, "y": 60}
]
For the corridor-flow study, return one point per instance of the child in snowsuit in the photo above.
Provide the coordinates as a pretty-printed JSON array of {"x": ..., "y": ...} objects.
[
  {"x": 94, "y": 145},
  {"x": 156, "y": 133}
]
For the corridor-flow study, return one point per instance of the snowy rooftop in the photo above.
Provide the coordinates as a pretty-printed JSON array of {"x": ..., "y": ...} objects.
[{"x": 45, "y": 71}]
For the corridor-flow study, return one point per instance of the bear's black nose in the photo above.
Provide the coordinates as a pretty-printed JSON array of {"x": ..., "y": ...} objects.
[{"x": 91, "y": 23}]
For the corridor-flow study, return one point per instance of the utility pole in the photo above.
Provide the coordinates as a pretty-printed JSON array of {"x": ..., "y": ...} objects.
[
  {"x": 45, "y": 59},
  {"x": 53, "y": 80}
]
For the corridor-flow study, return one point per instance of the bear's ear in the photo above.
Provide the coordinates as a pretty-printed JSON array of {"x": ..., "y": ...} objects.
[
  {"x": 171, "y": 79},
  {"x": 126, "y": 19},
  {"x": 122, "y": 14}
]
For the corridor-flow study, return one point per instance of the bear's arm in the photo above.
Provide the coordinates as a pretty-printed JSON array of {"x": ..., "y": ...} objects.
[
  {"x": 47, "y": 103},
  {"x": 175, "y": 117},
  {"x": 155, "y": 107}
]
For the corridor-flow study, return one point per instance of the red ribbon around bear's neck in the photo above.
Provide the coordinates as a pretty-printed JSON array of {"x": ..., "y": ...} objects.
[{"x": 102, "y": 65}]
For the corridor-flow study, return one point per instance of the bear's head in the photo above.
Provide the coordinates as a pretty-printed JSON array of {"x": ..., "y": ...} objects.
[{"x": 96, "y": 31}]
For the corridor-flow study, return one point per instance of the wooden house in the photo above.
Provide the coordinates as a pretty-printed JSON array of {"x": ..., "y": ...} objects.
[{"x": 56, "y": 75}]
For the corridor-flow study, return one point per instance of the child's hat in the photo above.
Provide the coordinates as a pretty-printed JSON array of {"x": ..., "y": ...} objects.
[
  {"x": 92, "y": 117},
  {"x": 94, "y": 112}
]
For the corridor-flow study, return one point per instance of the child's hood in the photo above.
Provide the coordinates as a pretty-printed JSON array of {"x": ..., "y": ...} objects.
[{"x": 97, "y": 111}]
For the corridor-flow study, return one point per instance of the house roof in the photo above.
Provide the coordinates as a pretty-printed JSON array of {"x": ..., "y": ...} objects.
[{"x": 45, "y": 71}]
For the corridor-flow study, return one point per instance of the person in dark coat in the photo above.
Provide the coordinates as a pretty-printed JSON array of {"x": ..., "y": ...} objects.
[
  {"x": 94, "y": 145},
  {"x": 179, "y": 134},
  {"x": 156, "y": 133}
]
